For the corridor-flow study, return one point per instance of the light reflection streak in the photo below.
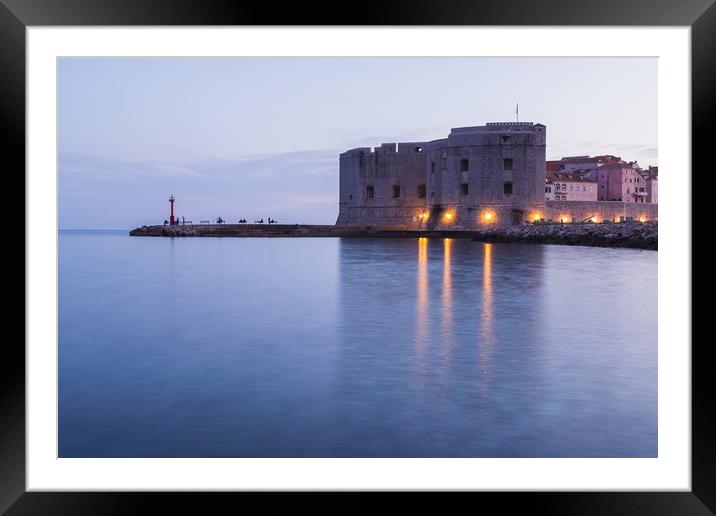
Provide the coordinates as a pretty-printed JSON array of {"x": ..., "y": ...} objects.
[
  {"x": 421, "y": 320},
  {"x": 447, "y": 312},
  {"x": 487, "y": 340}
]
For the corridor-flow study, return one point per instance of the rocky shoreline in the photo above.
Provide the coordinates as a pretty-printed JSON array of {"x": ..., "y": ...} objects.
[{"x": 635, "y": 235}]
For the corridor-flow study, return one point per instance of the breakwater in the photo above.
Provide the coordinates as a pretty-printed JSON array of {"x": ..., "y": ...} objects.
[{"x": 628, "y": 234}]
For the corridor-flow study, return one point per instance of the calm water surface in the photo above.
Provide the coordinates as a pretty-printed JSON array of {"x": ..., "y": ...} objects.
[{"x": 210, "y": 347}]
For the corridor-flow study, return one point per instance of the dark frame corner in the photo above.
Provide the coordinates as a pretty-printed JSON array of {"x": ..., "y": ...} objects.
[{"x": 16, "y": 15}]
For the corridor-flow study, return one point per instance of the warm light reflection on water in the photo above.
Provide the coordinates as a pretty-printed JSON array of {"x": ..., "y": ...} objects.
[
  {"x": 421, "y": 317},
  {"x": 243, "y": 347},
  {"x": 447, "y": 294},
  {"x": 486, "y": 341}
]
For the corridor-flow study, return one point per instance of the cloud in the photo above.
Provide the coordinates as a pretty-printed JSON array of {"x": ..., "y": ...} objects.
[
  {"x": 297, "y": 186},
  {"x": 105, "y": 169}
]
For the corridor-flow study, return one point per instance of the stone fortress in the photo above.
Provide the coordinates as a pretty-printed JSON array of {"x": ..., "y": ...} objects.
[{"x": 477, "y": 177}]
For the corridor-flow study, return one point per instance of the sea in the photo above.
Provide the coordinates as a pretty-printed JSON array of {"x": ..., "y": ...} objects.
[{"x": 354, "y": 347}]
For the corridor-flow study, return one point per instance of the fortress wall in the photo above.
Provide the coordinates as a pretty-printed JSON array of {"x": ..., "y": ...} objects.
[
  {"x": 486, "y": 174},
  {"x": 486, "y": 216},
  {"x": 474, "y": 217},
  {"x": 600, "y": 210},
  {"x": 388, "y": 166}
]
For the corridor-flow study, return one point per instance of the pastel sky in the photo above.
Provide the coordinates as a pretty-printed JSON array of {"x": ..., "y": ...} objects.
[{"x": 260, "y": 137}]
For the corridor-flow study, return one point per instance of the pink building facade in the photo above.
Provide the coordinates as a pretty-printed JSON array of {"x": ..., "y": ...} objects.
[
  {"x": 621, "y": 182},
  {"x": 565, "y": 186}
]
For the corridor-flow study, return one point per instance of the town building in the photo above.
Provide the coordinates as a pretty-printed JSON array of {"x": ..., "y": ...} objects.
[
  {"x": 651, "y": 177},
  {"x": 621, "y": 182},
  {"x": 570, "y": 186}
]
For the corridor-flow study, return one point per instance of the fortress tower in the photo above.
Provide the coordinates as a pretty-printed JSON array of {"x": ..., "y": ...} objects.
[{"x": 476, "y": 177}]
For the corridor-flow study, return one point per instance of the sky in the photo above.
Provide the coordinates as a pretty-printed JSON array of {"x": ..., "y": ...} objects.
[{"x": 260, "y": 137}]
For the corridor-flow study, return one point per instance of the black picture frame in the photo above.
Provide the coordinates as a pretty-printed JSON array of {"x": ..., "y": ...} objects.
[{"x": 16, "y": 15}]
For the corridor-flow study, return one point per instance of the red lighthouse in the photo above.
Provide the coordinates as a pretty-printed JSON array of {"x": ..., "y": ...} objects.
[{"x": 171, "y": 214}]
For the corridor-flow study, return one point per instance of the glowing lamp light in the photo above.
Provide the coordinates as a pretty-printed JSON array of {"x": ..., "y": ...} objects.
[
  {"x": 448, "y": 216},
  {"x": 642, "y": 219}
]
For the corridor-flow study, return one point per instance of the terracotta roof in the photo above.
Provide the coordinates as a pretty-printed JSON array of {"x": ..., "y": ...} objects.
[
  {"x": 580, "y": 159},
  {"x": 608, "y": 158},
  {"x": 552, "y": 166},
  {"x": 568, "y": 177},
  {"x": 617, "y": 165}
]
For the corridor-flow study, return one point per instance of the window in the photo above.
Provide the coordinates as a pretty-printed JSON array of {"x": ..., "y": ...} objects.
[
  {"x": 463, "y": 189},
  {"x": 350, "y": 197},
  {"x": 508, "y": 164},
  {"x": 547, "y": 189},
  {"x": 464, "y": 165},
  {"x": 507, "y": 188},
  {"x": 421, "y": 191},
  {"x": 432, "y": 195},
  {"x": 432, "y": 167},
  {"x": 369, "y": 193},
  {"x": 396, "y": 192},
  {"x": 505, "y": 138},
  {"x": 418, "y": 149}
]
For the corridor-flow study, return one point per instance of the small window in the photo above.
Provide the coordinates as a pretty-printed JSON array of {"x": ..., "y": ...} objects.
[
  {"x": 432, "y": 167},
  {"x": 418, "y": 149},
  {"x": 421, "y": 191},
  {"x": 508, "y": 164},
  {"x": 463, "y": 189},
  {"x": 350, "y": 197},
  {"x": 369, "y": 192},
  {"x": 505, "y": 138},
  {"x": 464, "y": 165},
  {"x": 432, "y": 195},
  {"x": 507, "y": 188},
  {"x": 396, "y": 192}
]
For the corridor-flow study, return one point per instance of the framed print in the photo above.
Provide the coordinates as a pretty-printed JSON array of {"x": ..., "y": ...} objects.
[{"x": 417, "y": 250}]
